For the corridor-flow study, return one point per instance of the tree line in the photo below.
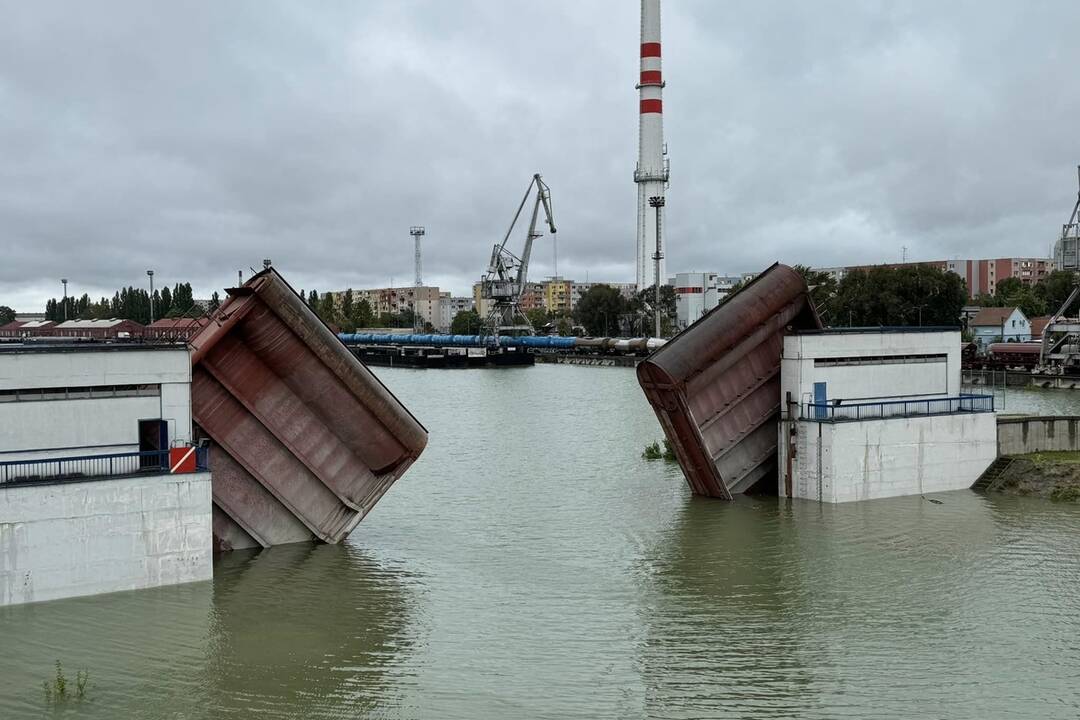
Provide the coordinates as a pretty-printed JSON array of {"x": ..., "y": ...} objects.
[
  {"x": 131, "y": 303},
  {"x": 351, "y": 314}
]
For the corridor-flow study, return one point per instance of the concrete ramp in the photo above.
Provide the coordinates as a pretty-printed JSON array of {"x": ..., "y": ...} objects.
[
  {"x": 306, "y": 439},
  {"x": 716, "y": 386}
]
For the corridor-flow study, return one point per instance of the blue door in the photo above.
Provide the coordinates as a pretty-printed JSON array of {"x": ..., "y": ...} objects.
[{"x": 820, "y": 399}]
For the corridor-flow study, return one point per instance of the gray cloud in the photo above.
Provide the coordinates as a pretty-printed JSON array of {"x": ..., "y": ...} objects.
[{"x": 199, "y": 137}]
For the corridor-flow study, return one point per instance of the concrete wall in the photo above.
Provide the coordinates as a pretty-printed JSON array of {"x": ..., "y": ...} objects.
[
  {"x": 1019, "y": 435},
  {"x": 85, "y": 538},
  {"x": 845, "y": 461},
  {"x": 868, "y": 382}
]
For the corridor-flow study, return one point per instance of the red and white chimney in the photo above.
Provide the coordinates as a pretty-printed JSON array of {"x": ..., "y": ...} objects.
[{"x": 651, "y": 174}]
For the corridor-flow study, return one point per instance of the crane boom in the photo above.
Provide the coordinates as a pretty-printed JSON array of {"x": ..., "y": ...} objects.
[{"x": 507, "y": 274}]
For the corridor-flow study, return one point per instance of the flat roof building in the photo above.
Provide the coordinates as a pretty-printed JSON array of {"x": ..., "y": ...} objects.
[
  {"x": 872, "y": 413},
  {"x": 98, "y": 478}
]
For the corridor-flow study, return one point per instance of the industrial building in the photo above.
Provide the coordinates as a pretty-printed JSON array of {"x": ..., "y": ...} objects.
[
  {"x": 873, "y": 413},
  {"x": 698, "y": 293},
  {"x": 100, "y": 489}
]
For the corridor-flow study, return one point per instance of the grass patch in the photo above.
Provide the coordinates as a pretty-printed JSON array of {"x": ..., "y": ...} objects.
[
  {"x": 1065, "y": 493},
  {"x": 1065, "y": 457},
  {"x": 654, "y": 452},
  {"x": 57, "y": 690}
]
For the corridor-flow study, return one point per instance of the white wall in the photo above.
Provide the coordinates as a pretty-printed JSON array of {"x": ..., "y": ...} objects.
[
  {"x": 57, "y": 428},
  {"x": 84, "y": 538},
  {"x": 866, "y": 383},
  {"x": 52, "y": 368},
  {"x": 845, "y": 461},
  {"x": 91, "y": 425}
]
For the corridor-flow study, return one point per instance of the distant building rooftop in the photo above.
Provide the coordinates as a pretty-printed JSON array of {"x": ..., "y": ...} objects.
[
  {"x": 880, "y": 329},
  {"x": 992, "y": 316},
  {"x": 67, "y": 346},
  {"x": 83, "y": 324}
]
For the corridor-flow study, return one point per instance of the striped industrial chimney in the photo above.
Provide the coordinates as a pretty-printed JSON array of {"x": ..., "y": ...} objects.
[{"x": 651, "y": 174}]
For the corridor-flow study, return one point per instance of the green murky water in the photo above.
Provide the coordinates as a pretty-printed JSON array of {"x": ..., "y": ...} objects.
[{"x": 531, "y": 565}]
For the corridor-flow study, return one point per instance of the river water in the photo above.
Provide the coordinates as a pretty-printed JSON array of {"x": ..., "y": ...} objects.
[{"x": 532, "y": 565}]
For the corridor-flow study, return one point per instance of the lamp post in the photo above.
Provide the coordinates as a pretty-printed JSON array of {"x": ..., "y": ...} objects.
[
  {"x": 657, "y": 202},
  {"x": 64, "y": 281},
  {"x": 150, "y": 274}
]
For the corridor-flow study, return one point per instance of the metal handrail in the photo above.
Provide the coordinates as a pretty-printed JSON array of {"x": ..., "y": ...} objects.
[
  {"x": 839, "y": 411},
  {"x": 74, "y": 467}
]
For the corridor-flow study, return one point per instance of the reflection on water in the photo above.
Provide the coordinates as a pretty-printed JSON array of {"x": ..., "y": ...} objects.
[
  {"x": 295, "y": 631},
  {"x": 532, "y": 565}
]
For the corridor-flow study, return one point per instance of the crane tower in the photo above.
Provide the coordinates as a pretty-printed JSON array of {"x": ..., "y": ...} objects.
[{"x": 507, "y": 273}]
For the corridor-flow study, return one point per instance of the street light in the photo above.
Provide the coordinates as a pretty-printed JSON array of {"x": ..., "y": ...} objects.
[
  {"x": 64, "y": 281},
  {"x": 657, "y": 202},
  {"x": 150, "y": 274}
]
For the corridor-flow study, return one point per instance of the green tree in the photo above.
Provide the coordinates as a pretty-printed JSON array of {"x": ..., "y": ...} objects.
[
  {"x": 599, "y": 310},
  {"x": 327, "y": 309},
  {"x": 313, "y": 301},
  {"x": 640, "y": 308},
  {"x": 362, "y": 314},
  {"x": 7, "y": 315},
  {"x": 910, "y": 295},
  {"x": 1054, "y": 289},
  {"x": 538, "y": 317},
  {"x": 822, "y": 287},
  {"x": 466, "y": 322},
  {"x": 215, "y": 302},
  {"x": 347, "y": 305},
  {"x": 166, "y": 303}
]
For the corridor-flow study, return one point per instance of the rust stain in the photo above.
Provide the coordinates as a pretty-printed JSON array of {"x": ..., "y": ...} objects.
[
  {"x": 307, "y": 439},
  {"x": 715, "y": 387}
]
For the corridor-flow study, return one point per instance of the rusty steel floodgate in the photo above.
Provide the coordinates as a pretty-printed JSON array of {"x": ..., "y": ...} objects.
[
  {"x": 715, "y": 386},
  {"x": 305, "y": 438}
]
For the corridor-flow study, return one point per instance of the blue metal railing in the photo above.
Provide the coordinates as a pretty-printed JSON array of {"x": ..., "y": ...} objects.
[
  {"x": 93, "y": 466},
  {"x": 832, "y": 411}
]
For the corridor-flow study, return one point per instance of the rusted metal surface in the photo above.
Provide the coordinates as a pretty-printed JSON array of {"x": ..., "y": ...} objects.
[
  {"x": 716, "y": 386},
  {"x": 306, "y": 439}
]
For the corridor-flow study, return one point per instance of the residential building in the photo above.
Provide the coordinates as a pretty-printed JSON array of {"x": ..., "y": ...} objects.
[
  {"x": 873, "y": 413},
  {"x": 559, "y": 295},
  {"x": 1038, "y": 325},
  {"x": 423, "y": 300},
  {"x": 98, "y": 478},
  {"x": 998, "y": 324},
  {"x": 981, "y": 276}
]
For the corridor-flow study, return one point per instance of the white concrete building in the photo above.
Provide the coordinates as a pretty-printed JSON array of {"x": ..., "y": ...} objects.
[
  {"x": 88, "y": 436},
  {"x": 879, "y": 413},
  {"x": 697, "y": 293}
]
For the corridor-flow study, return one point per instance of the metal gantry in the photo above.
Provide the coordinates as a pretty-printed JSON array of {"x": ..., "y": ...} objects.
[{"x": 507, "y": 273}]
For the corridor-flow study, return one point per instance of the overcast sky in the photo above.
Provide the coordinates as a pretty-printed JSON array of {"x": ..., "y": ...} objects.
[{"x": 200, "y": 137}]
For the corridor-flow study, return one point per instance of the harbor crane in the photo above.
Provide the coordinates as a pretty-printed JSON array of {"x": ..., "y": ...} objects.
[{"x": 504, "y": 282}]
